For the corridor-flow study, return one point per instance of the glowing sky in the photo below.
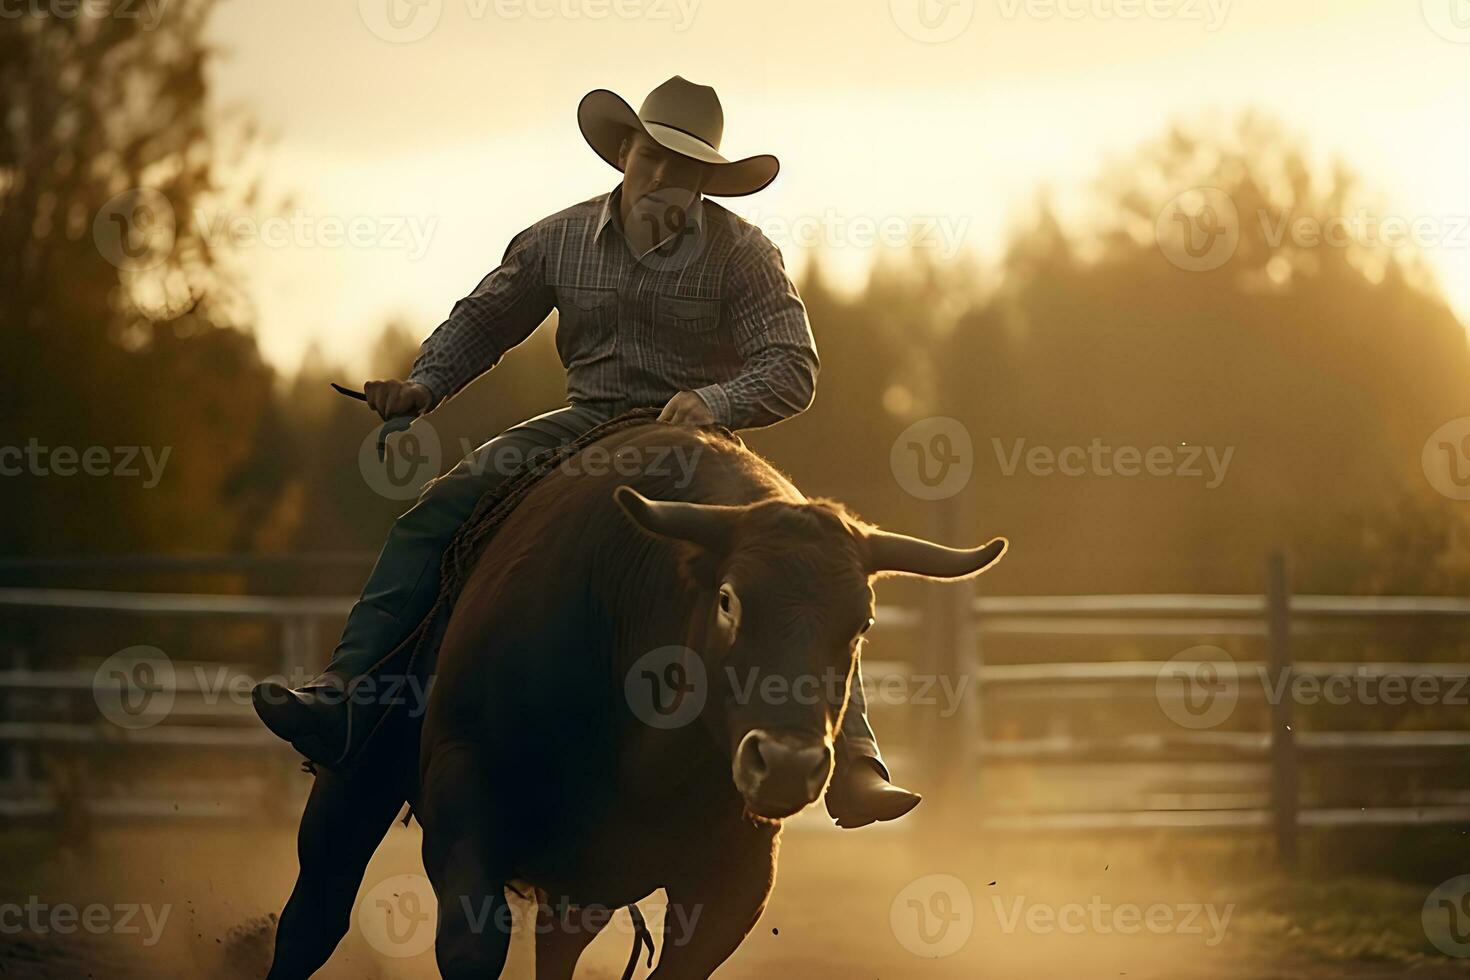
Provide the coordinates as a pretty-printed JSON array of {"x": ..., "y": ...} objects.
[{"x": 941, "y": 117}]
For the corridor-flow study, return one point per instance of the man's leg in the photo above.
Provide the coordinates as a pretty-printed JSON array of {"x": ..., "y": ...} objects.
[
  {"x": 861, "y": 792},
  {"x": 404, "y": 585}
]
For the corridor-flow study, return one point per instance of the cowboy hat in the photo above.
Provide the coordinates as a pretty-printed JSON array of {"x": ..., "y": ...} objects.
[{"x": 680, "y": 116}]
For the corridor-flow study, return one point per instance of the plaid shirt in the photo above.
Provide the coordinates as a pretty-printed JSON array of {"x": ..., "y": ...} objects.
[{"x": 709, "y": 310}]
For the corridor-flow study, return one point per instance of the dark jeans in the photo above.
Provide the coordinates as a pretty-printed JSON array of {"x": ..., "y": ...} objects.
[{"x": 405, "y": 581}]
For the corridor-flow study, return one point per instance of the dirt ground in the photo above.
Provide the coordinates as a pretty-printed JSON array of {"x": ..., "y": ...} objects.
[{"x": 879, "y": 904}]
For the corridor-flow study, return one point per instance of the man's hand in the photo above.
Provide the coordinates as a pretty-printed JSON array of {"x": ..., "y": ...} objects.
[
  {"x": 389, "y": 398},
  {"x": 686, "y": 408}
]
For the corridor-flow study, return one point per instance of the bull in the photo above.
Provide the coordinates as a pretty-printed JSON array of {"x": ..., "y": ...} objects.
[{"x": 641, "y": 679}]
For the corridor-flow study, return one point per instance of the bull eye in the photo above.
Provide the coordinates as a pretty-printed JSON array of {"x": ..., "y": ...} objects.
[{"x": 729, "y": 605}]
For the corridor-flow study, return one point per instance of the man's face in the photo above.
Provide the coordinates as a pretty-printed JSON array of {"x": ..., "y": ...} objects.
[
  {"x": 659, "y": 189},
  {"x": 648, "y": 167}
]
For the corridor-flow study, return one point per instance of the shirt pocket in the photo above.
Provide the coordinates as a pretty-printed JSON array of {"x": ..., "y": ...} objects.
[
  {"x": 587, "y": 324},
  {"x": 687, "y": 315}
]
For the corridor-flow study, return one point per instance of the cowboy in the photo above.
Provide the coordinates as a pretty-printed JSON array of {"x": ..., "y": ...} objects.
[{"x": 664, "y": 298}]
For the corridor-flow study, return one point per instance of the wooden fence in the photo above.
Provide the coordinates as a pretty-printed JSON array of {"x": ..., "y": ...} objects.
[{"x": 954, "y": 630}]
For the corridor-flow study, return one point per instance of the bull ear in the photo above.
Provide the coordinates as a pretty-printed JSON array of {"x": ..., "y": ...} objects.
[
  {"x": 708, "y": 525},
  {"x": 901, "y": 554}
]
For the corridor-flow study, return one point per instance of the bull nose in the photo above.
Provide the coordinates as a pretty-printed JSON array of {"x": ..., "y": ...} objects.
[{"x": 779, "y": 773}]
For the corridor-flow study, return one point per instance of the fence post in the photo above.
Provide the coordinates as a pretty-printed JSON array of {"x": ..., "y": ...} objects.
[
  {"x": 1284, "y": 784},
  {"x": 972, "y": 696},
  {"x": 21, "y": 776},
  {"x": 950, "y": 610}
]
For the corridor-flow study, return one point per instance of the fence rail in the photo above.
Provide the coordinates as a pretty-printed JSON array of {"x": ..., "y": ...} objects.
[{"x": 956, "y": 629}]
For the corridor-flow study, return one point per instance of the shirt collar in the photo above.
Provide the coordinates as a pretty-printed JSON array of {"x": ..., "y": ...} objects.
[{"x": 611, "y": 207}]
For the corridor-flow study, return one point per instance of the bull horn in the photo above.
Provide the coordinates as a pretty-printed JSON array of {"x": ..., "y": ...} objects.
[
  {"x": 901, "y": 554},
  {"x": 708, "y": 525}
]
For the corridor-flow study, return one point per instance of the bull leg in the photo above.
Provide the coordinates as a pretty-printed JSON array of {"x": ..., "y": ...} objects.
[
  {"x": 344, "y": 821},
  {"x": 465, "y": 865},
  {"x": 711, "y": 912},
  {"x": 562, "y": 934}
]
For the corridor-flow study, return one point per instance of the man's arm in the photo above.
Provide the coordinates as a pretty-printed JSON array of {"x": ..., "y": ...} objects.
[
  {"x": 778, "y": 376},
  {"x": 504, "y": 309}
]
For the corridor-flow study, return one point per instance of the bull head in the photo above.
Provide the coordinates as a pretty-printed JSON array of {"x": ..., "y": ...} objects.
[{"x": 786, "y": 598}]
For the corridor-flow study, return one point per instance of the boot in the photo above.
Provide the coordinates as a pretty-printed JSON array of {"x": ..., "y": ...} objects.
[
  {"x": 861, "y": 794},
  {"x": 315, "y": 719}
]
